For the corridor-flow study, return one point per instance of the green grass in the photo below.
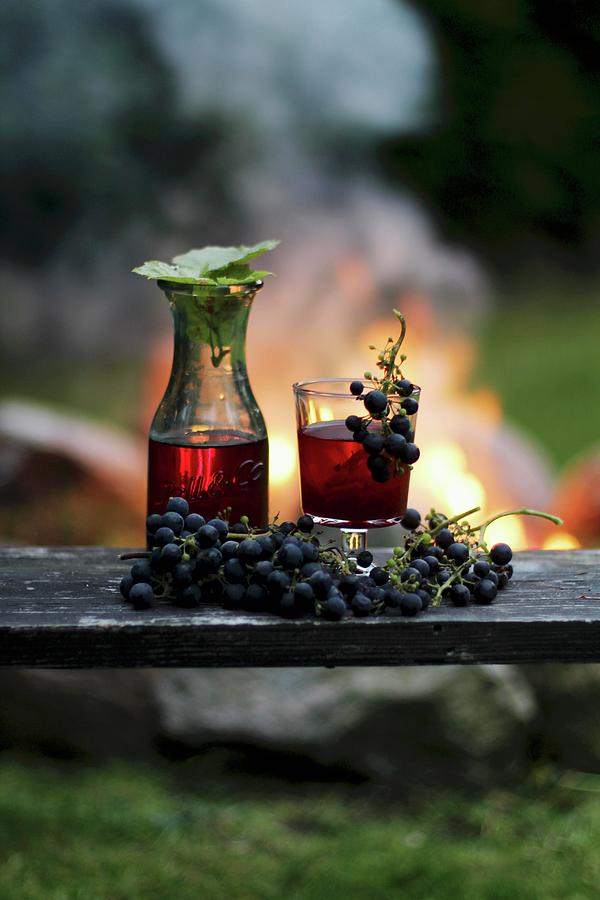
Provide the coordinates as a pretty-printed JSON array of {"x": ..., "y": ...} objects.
[
  {"x": 116, "y": 834},
  {"x": 542, "y": 355}
]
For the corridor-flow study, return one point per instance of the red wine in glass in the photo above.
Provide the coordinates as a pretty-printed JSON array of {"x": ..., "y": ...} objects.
[
  {"x": 231, "y": 470},
  {"x": 337, "y": 487}
]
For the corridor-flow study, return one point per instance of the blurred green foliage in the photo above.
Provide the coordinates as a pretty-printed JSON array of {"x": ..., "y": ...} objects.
[
  {"x": 509, "y": 162},
  {"x": 117, "y": 834},
  {"x": 539, "y": 352}
]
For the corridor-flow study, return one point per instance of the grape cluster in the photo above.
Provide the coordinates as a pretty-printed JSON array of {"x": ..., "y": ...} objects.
[
  {"x": 446, "y": 559},
  {"x": 285, "y": 569},
  {"x": 386, "y": 431},
  {"x": 389, "y": 444}
]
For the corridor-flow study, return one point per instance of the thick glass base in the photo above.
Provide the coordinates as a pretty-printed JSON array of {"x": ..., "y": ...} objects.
[
  {"x": 353, "y": 525},
  {"x": 353, "y": 541}
]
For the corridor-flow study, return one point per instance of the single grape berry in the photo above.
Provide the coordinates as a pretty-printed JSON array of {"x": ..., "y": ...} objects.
[
  {"x": 410, "y": 604},
  {"x": 334, "y": 608},
  {"x": 189, "y": 597},
  {"x": 380, "y": 472},
  {"x": 361, "y": 604},
  {"x": 425, "y": 598},
  {"x": 234, "y": 572},
  {"x": 364, "y": 559},
  {"x": 360, "y": 434},
  {"x": 481, "y": 568},
  {"x": 458, "y": 553},
  {"x": 239, "y": 528},
  {"x": 141, "y": 595},
  {"x": 410, "y": 453},
  {"x": 170, "y": 555},
  {"x": 220, "y": 526},
  {"x": 411, "y": 519},
  {"x": 142, "y": 571},
  {"x": 421, "y": 566},
  {"x": 459, "y": 594},
  {"x": 310, "y": 553},
  {"x": 178, "y": 505},
  {"x": 373, "y": 443},
  {"x": 410, "y": 406},
  {"x": 305, "y": 524},
  {"x": 233, "y": 596},
  {"x": 153, "y": 522},
  {"x": 182, "y": 575},
  {"x": 173, "y": 521},
  {"x": 404, "y": 387},
  {"x": 320, "y": 582},
  {"x": 444, "y": 538},
  {"x": 409, "y": 573},
  {"x": 400, "y": 424},
  {"x": 305, "y": 596},
  {"x": 492, "y": 576},
  {"x": 164, "y": 536},
  {"x": 278, "y": 582},
  {"x": 287, "y": 528},
  {"x": 348, "y": 584},
  {"x": 207, "y": 536},
  {"x": 392, "y": 597},
  {"x": 353, "y": 423},
  {"x": 209, "y": 561},
  {"x": 379, "y": 576},
  {"x": 290, "y": 556},
  {"x": 255, "y": 598},
  {"x": 433, "y": 563},
  {"x": 267, "y": 546},
  {"x": 501, "y": 554},
  {"x": 310, "y": 568},
  {"x": 125, "y": 586},
  {"x": 193, "y": 522},
  {"x": 356, "y": 388},
  {"x": 249, "y": 551},
  {"x": 229, "y": 549},
  {"x": 287, "y": 606},
  {"x": 375, "y": 402},
  {"x": 485, "y": 591},
  {"x": 262, "y": 570},
  {"x": 443, "y": 575},
  {"x": 395, "y": 444}
]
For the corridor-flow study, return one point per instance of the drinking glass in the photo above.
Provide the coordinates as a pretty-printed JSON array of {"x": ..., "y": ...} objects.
[{"x": 336, "y": 485}]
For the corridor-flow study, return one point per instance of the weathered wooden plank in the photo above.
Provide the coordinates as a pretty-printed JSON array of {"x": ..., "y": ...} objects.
[{"x": 61, "y": 608}]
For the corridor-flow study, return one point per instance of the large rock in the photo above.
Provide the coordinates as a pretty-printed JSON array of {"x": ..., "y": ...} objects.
[
  {"x": 455, "y": 726},
  {"x": 428, "y": 725}
]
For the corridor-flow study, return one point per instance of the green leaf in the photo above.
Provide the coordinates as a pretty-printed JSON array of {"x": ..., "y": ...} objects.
[
  {"x": 213, "y": 259},
  {"x": 156, "y": 269},
  {"x": 210, "y": 265}
]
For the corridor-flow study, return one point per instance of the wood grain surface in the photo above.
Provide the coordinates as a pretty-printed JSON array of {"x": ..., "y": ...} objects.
[{"x": 61, "y": 608}]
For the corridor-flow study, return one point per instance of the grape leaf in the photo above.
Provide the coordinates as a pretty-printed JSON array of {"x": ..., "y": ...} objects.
[{"x": 210, "y": 265}]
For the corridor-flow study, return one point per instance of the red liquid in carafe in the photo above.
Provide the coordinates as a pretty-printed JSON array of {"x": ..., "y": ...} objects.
[{"x": 230, "y": 469}]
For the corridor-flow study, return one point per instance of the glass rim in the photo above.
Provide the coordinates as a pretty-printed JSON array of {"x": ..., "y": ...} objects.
[
  {"x": 306, "y": 387},
  {"x": 196, "y": 288}
]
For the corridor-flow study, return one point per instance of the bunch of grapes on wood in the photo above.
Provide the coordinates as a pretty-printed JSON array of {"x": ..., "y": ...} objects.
[
  {"x": 386, "y": 430},
  {"x": 284, "y": 569}
]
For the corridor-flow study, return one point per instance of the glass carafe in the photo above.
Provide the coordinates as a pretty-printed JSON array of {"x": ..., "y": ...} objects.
[{"x": 208, "y": 440}]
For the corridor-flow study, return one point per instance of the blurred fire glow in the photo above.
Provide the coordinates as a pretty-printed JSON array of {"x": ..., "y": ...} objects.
[{"x": 561, "y": 540}]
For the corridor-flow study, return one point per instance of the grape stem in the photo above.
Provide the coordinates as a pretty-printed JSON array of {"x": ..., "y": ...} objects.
[
  {"x": 455, "y": 519},
  {"x": 514, "y": 512},
  {"x": 395, "y": 349}
]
